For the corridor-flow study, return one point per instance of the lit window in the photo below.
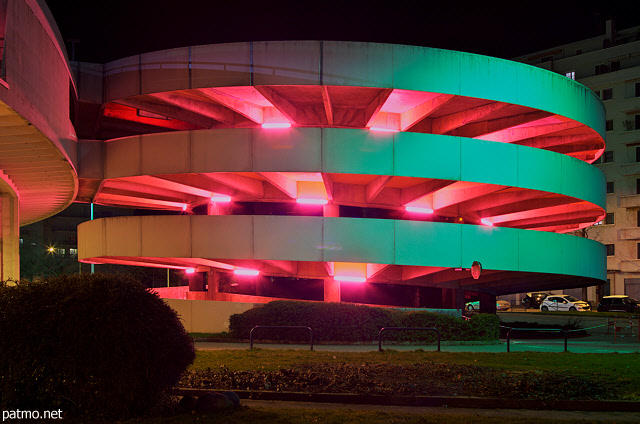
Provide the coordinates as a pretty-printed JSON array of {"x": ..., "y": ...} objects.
[
  {"x": 607, "y": 94},
  {"x": 611, "y": 249},
  {"x": 73, "y": 252},
  {"x": 571, "y": 75}
]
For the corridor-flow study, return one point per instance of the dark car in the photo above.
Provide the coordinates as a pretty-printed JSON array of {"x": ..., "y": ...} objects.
[
  {"x": 533, "y": 300},
  {"x": 619, "y": 303}
]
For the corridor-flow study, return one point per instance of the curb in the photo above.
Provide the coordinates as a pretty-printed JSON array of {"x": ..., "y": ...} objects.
[{"x": 432, "y": 401}]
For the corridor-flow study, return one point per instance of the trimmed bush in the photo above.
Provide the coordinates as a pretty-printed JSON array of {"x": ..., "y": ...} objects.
[
  {"x": 88, "y": 344},
  {"x": 355, "y": 323}
]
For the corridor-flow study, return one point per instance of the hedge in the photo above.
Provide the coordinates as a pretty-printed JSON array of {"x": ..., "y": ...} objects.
[
  {"x": 88, "y": 345},
  {"x": 342, "y": 322}
]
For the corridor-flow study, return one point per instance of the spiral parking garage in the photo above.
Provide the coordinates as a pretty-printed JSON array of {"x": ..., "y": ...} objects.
[{"x": 345, "y": 165}]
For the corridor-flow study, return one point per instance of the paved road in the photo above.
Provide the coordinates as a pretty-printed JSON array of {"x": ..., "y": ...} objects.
[{"x": 601, "y": 339}]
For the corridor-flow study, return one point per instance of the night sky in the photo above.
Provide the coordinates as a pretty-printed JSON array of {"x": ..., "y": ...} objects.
[{"x": 115, "y": 29}]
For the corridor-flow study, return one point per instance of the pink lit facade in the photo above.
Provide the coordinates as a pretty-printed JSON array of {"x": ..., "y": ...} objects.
[
  {"x": 338, "y": 168},
  {"x": 343, "y": 163}
]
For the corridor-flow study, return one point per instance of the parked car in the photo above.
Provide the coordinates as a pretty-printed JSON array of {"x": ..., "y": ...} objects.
[
  {"x": 618, "y": 303},
  {"x": 563, "y": 302},
  {"x": 533, "y": 300},
  {"x": 501, "y": 305}
]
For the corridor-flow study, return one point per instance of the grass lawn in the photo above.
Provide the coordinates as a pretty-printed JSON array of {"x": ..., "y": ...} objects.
[{"x": 619, "y": 369}]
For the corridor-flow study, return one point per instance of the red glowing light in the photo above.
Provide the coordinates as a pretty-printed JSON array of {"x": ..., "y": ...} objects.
[
  {"x": 271, "y": 125},
  {"x": 383, "y": 129},
  {"x": 486, "y": 221},
  {"x": 312, "y": 201},
  {"x": 418, "y": 210},
  {"x": 220, "y": 199},
  {"x": 350, "y": 279},
  {"x": 239, "y": 271},
  {"x": 190, "y": 270}
]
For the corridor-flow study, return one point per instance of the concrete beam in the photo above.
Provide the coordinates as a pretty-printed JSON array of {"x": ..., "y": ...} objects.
[
  {"x": 412, "y": 116},
  {"x": 212, "y": 111},
  {"x": 245, "y": 108},
  {"x": 282, "y": 183},
  {"x": 450, "y": 122}
]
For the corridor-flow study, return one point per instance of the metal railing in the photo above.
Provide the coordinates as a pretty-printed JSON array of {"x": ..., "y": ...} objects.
[
  {"x": 383, "y": 329},
  {"x": 279, "y": 326},
  {"x": 535, "y": 329}
]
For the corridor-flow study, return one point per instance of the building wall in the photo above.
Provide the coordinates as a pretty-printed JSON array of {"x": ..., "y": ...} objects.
[
  {"x": 38, "y": 78},
  {"x": 38, "y": 141},
  {"x": 206, "y": 316},
  {"x": 610, "y": 66}
]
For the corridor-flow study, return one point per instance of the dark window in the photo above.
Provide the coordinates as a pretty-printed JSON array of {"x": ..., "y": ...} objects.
[
  {"x": 608, "y": 124},
  {"x": 611, "y": 249},
  {"x": 638, "y": 218},
  {"x": 579, "y": 51},
  {"x": 597, "y": 93},
  {"x": 637, "y": 119},
  {"x": 610, "y": 187},
  {"x": 597, "y": 161},
  {"x": 615, "y": 65},
  {"x": 607, "y": 94},
  {"x": 637, "y": 185},
  {"x": 546, "y": 59},
  {"x": 610, "y": 219},
  {"x": 607, "y": 157},
  {"x": 601, "y": 69},
  {"x": 638, "y": 89}
]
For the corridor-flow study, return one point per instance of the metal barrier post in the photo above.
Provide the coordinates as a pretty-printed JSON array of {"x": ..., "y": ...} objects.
[
  {"x": 383, "y": 329},
  {"x": 279, "y": 326},
  {"x": 536, "y": 329}
]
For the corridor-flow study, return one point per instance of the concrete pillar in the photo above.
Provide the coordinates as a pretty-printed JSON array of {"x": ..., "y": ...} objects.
[
  {"x": 261, "y": 285},
  {"x": 416, "y": 297},
  {"x": 331, "y": 290},
  {"x": 487, "y": 303},
  {"x": 196, "y": 281},
  {"x": 448, "y": 298},
  {"x": 213, "y": 282},
  {"x": 331, "y": 210},
  {"x": 9, "y": 238},
  {"x": 459, "y": 299}
]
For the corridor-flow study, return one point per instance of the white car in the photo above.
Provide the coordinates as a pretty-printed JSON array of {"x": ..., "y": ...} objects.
[
  {"x": 563, "y": 302},
  {"x": 501, "y": 305}
]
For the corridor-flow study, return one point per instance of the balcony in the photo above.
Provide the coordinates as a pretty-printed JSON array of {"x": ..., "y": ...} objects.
[
  {"x": 630, "y": 202},
  {"x": 629, "y": 234}
]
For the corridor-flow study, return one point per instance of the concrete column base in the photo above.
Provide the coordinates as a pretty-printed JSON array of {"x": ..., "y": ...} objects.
[
  {"x": 331, "y": 290},
  {"x": 9, "y": 238}
]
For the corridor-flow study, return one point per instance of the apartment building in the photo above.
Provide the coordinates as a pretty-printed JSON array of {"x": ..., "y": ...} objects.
[{"x": 609, "y": 65}]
